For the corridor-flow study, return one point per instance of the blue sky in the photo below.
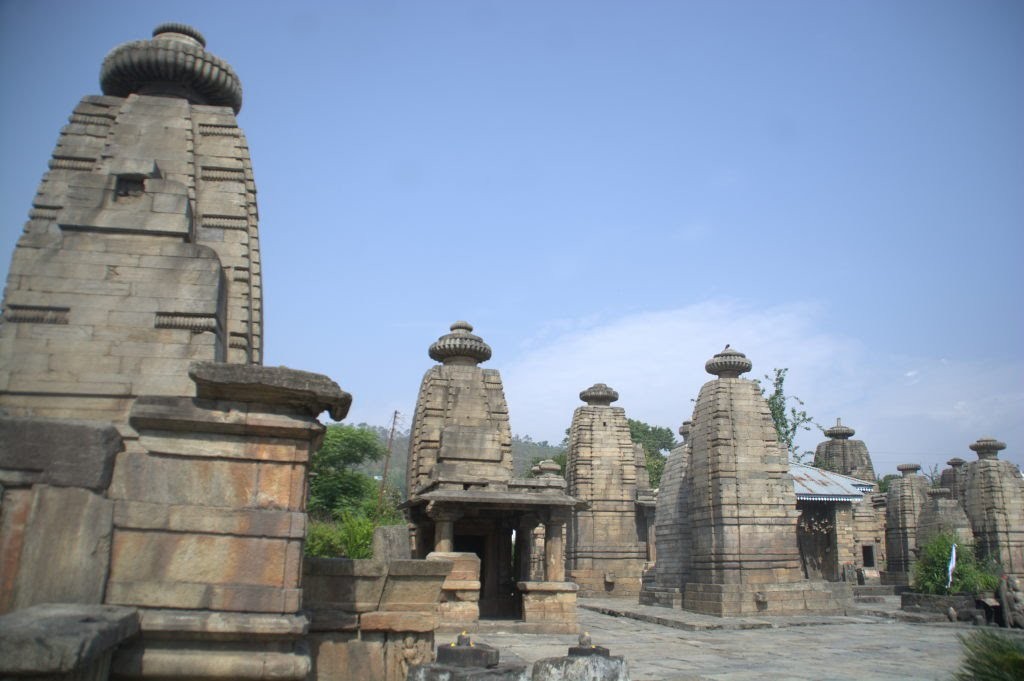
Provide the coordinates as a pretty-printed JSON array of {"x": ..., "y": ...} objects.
[{"x": 611, "y": 192}]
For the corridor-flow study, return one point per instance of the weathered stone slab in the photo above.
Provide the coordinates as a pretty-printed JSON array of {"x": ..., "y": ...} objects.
[
  {"x": 57, "y": 639},
  {"x": 60, "y": 453},
  {"x": 343, "y": 584},
  {"x": 66, "y": 550},
  {"x": 311, "y": 392},
  {"x": 588, "y": 668},
  {"x": 391, "y": 542}
]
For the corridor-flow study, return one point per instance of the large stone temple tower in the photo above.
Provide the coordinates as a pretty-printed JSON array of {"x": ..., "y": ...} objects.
[
  {"x": 741, "y": 505},
  {"x": 149, "y": 463},
  {"x": 141, "y": 254},
  {"x": 843, "y": 455},
  {"x": 608, "y": 539}
]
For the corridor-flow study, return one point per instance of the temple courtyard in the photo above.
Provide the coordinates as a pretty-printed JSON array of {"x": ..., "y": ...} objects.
[{"x": 676, "y": 645}]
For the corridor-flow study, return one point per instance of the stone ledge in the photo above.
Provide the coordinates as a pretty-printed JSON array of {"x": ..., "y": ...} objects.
[
  {"x": 311, "y": 392},
  {"x": 59, "y": 638},
  {"x": 61, "y": 453},
  {"x": 222, "y": 626},
  {"x": 398, "y": 621},
  {"x": 557, "y": 587}
]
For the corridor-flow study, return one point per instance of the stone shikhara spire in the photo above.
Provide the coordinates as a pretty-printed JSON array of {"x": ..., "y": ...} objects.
[
  {"x": 906, "y": 500},
  {"x": 607, "y": 543},
  {"x": 142, "y": 240},
  {"x": 742, "y": 556},
  {"x": 844, "y": 455},
  {"x": 993, "y": 497}
]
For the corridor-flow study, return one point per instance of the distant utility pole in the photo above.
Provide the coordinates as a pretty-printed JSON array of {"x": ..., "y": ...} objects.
[{"x": 387, "y": 460}]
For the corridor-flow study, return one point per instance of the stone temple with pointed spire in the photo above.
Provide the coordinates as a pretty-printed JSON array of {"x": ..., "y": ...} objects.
[
  {"x": 464, "y": 499},
  {"x": 609, "y": 539},
  {"x": 152, "y": 460},
  {"x": 844, "y": 455},
  {"x": 743, "y": 556}
]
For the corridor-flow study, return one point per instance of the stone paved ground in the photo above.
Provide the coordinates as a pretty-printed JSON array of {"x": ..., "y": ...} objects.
[{"x": 859, "y": 648}]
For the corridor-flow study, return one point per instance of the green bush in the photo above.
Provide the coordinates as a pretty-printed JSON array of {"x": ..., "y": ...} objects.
[
  {"x": 350, "y": 536},
  {"x": 989, "y": 656},
  {"x": 969, "y": 576}
]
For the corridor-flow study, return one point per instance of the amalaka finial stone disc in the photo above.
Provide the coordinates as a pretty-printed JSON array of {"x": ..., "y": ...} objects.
[
  {"x": 599, "y": 395},
  {"x": 173, "y": 64},
  {"x": 684, "y": 430},
  {"x": 956, "y": 462},
  {"x": 460, "y": 346},
  {"x": 988, "y": 447},
  {"x": 839, "y": 431},
  {"x": 728, "y": 363},
  {"x": 908, "y": 469}
]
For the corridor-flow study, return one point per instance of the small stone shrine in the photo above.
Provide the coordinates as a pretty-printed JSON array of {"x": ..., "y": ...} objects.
[
  {"x": 463, "y": 498},
  {"x": 906, "y": 500},
  {"x": 607, "y": 540},
  {"x": 740, "y": 501},
  {"x": 147, "y": 460},
  {"x": 846, "y": 456},
  {"x": 842, "y": 455},
  {"x": 994, "y": 502}
]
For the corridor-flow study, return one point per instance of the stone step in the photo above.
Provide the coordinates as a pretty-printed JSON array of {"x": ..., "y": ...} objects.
[{"x": 880, "y": 590}]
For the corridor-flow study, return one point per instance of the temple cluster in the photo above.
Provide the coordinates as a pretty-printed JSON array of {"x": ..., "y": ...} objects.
[{"x": 154, "y": 474}]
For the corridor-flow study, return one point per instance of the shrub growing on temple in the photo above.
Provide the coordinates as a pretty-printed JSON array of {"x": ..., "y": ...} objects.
[{"x": 931, "y": 572}]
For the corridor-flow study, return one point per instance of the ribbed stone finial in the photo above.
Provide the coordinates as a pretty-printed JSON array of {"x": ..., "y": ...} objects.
[
  {"x": 175, "y": 30},
  {"x": 940, "y": 493},
  {"x": 956, "y": 462},
  {"x": 173, "y": 64},
  {"x": 728, "y": 363},
  {"x": 460, "y": 346},
  {"x": 684, "y": 430},
  {"x": 839, "y": 431},
  {"x": 599, "y": 395},
  {"x": 908, "y": 469},
  {"x": 988, "y": 448}
]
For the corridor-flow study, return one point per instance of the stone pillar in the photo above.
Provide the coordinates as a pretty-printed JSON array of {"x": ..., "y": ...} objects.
[
  {"x": 554, "y": 549},
  {"x": 524, "y": 546},
  {"x": 444, "y": 528}
]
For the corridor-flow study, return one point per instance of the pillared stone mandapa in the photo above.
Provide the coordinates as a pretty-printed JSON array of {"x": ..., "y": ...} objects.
[{"x": 728, "y": 363}]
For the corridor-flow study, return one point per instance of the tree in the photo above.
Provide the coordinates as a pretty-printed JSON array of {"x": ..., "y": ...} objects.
[
  {"x": 787, "y": 418},
  {"x": 885, "y": 482},
  {"x": 335, "y": 487},
  {"x": 656, "y": 441}
]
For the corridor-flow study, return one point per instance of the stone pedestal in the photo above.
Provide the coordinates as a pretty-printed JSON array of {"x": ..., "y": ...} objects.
[
  {"x": 549, "y": 607},
  {"x": 460, "y": 593}
]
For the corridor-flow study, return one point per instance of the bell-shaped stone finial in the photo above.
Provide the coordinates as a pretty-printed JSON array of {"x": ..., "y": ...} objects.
[
  {"x": 988, "y": 448},
  {"x": 174, "y": 63},
  {"x": 908, "y": 469},
  {"x": 728, "y": 363},
  {"x": 599, "y": 395},
  {"x": 839, "y": 431},
  {"x": 460, "y": 346}
]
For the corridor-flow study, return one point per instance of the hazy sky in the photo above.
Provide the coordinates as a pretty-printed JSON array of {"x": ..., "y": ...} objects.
[{"x": 611, "y": 192}]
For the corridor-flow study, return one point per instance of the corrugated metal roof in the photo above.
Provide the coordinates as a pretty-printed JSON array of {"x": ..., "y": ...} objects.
[{"x": 816, "y": 484}]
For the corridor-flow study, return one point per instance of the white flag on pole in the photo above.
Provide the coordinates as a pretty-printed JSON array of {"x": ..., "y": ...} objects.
[{"x": 952, "y": 566}]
